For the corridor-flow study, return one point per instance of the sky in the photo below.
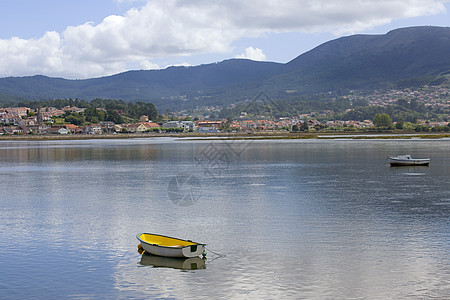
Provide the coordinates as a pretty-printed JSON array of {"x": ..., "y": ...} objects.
[{"x": 78, "y": 39}]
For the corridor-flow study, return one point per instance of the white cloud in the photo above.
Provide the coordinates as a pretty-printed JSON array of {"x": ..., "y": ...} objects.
[
  {"x": 41, "y": 55},
  {"x": 148, "y": 65},
  {"x": 164, "y": 28},
  {"x": 253, "y": 54}
]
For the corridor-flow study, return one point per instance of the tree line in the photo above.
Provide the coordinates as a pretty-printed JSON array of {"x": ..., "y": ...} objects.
[{"x": 98, "y": 110}]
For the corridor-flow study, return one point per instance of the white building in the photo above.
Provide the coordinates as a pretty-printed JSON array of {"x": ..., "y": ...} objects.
[{"x": 185, "y": 125}]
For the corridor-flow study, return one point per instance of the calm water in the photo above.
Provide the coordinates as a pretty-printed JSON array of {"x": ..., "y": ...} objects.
[{"x": 312, "y": 219}]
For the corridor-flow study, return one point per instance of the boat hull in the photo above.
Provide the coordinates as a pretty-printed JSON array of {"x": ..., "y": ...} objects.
[
  {"x": 168, "y": 246},
  {"x": 409, "y": 162}
]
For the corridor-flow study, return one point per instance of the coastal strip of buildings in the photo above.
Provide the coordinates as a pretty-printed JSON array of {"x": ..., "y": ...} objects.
[{"x": 23, "y": 120}]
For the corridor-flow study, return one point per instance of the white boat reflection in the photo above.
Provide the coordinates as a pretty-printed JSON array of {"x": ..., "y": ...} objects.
[{"x": 190, "y": 263}]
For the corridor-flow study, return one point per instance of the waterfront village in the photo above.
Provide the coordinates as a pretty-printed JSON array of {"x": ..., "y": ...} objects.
[{"x": 47, "y": 120}]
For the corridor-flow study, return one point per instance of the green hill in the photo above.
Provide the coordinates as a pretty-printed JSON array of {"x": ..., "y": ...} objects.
[
  {"x": 367, "y": 61},
  {"x": 354, "y": 62}
]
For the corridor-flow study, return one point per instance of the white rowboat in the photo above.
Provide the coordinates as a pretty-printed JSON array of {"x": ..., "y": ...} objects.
[{"x": 407, "y": 160}]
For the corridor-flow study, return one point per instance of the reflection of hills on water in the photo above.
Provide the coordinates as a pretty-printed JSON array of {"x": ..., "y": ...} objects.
[{"x": 191, "y": 263}]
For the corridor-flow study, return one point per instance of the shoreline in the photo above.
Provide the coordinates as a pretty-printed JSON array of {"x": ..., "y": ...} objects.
[{"x": 234, "y": 136}]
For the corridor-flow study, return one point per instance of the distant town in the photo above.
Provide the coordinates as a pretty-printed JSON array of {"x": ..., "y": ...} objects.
[{"x": 51, "y": 120}]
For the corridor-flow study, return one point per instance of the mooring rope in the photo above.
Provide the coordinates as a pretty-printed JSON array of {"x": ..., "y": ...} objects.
[{"x": 215, "y": 253}]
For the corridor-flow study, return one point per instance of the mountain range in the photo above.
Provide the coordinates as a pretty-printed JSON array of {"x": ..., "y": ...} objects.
[{"x": 352, "y": 62}]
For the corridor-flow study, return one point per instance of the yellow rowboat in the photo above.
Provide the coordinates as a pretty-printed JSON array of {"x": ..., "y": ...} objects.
[
  {"x": 162, "y": 245},
  {"x": 182, "y": 263}
]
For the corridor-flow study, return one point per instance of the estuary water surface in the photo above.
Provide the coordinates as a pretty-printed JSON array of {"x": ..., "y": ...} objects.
[{"x": 282, "y": 219}]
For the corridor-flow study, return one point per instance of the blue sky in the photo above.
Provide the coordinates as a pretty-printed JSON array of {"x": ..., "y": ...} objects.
[{"x": 86, "y": 38}]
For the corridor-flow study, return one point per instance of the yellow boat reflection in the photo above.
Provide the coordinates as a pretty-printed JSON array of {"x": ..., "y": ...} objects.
[{"x": 191, "y": 263}]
